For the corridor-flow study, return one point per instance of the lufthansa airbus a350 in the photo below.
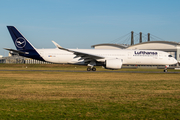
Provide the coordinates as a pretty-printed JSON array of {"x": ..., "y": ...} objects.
[{"x": 110, "y": 59}]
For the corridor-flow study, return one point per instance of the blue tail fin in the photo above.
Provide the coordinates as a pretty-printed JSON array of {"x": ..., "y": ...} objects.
[{"x": 22, "y": 44}]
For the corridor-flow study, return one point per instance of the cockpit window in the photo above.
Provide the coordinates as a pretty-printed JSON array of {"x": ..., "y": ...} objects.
[{"x": 169, "y": 55}]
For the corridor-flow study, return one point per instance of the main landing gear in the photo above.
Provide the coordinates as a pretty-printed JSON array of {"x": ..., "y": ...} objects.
[
  {"x": 91, "y": 66},
  {"x": 89, "y": 69}
]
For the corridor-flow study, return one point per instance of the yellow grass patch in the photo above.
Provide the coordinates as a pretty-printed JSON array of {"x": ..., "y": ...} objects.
[{"x": 57, "y": 85}]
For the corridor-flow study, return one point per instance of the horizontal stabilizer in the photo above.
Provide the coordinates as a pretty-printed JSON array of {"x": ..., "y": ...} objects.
[{"x": 16, "y": 51}]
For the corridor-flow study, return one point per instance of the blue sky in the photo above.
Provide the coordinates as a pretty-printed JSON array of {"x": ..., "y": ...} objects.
[{"x": 82, "y": 23}]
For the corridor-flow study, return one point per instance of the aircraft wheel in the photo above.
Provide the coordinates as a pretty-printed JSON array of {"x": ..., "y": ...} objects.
[
  {"x": 88, "y": 69},
  {"x": 93, "y": 69},
  {"x": 165, "y": 70}
]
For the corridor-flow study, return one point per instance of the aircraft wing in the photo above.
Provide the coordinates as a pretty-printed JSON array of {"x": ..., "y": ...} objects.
[
  {"x": 86, "y": 56},
  {"x": 16, "y": 51}
]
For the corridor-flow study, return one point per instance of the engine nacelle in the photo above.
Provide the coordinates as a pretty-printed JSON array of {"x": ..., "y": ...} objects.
[{"x": 114, "y": 64}]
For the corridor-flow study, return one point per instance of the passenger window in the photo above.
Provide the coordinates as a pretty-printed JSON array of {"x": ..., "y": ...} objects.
[{"x": 169, "y": 55}]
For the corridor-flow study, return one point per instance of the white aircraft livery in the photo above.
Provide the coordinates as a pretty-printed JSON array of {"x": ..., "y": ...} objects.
[{"x": 109, "y": 58}]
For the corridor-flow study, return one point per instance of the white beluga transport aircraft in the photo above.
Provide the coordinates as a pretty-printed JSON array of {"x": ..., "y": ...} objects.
[{"x": 109, "y": 58}]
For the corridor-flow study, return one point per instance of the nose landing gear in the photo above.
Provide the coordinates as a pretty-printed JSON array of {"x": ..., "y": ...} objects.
[{"x": 165, "y": 69}]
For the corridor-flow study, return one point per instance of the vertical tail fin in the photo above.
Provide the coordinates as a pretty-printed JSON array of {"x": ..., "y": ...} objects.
[
  {"x": 23, "y": 45},
  {"x": 19, "y": 40}
]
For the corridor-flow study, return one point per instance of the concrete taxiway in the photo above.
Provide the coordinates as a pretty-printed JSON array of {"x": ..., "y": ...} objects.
[{"x": 178, "y": 72}]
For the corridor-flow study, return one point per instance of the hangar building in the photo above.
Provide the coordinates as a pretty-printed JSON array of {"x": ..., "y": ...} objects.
[{"x": 171, "y": 47}]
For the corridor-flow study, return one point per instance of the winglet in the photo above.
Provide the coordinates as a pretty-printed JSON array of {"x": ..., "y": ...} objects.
[{"x": 57, "y": 45}]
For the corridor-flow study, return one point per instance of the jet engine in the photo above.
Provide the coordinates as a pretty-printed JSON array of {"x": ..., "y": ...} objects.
[{"x": 113, "y": 63}]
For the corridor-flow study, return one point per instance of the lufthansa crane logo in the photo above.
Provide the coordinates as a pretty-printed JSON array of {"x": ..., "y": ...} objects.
[{"x": 20, "y": 42}]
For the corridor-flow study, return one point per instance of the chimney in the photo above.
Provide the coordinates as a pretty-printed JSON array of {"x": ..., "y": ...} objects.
[
  {"x": 148, "y": 37},
  {"x": 132, "y": 38},
  {"x": 140, "y": 37}
]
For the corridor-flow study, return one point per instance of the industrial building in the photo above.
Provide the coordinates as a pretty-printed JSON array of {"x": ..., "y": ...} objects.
[
  {"x": 172, "y": 48},
  {"x": 16, "y": 59}
]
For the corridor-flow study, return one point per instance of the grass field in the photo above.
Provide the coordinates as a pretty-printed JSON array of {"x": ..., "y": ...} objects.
[{"x": 87, "y": 95}]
